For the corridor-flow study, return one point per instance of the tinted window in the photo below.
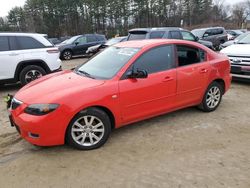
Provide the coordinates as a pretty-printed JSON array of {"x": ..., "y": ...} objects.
[
  {"x": 4, "y": 44},
  {"x": 175, "y": 35},
  {"x": 13, "y": 43},
  {"x": 157, "y": 34},
  {"x": 187, "y": 36},
  {"x": 156, "y": 60},
  {"x": 189, "y": 55},
  {"x": 100, "y": 38},
  {"x": 91, "y": 39},
  {"x": 209, "y": 32},
  {"x": 81, "y": 40},
  {"x": 137, "y": 36},
  {"x": 28, "y": 43}
]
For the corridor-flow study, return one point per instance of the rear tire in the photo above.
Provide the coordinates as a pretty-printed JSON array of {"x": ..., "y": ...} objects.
[
  {"x": 89, "y": 129},
  {"x": 212, "y": 98},
  {"x": 31, "y": 73}
]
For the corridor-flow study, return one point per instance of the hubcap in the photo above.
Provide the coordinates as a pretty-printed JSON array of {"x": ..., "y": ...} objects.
[
  {"x": 32, "y": 75},
  {"x": 67, "y": 55},
  {"x": 87, "y": 130},
  {"x": 213, "y": 97}
]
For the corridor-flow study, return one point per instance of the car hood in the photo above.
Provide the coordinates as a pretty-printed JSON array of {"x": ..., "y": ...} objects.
[
  {"x": 52, "y": 88},
  {"x": 228, "y": 43},
  {"x": 237, "y": 50},
  {"x": 206, "y": 43}
]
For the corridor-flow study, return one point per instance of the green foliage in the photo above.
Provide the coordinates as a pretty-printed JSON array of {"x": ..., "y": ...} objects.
[{"x": 63, "y": 17}]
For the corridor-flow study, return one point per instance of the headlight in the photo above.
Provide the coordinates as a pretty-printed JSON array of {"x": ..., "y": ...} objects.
[{"x": 40, "y": 109}]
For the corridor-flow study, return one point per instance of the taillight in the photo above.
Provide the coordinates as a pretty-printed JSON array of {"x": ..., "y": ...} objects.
[{"x": 52, "y": 51}]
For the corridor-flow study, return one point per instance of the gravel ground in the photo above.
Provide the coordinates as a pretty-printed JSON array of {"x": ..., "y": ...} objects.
[{"x": 187, "y": 148}]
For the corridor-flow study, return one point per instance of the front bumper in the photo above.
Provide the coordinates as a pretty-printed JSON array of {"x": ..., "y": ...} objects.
[
  {"x": 241, "y": 72},
  {"x": 47, "y": 130}
]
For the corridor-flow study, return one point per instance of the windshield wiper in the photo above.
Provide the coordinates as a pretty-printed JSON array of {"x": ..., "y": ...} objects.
[
  {"x": 85, "y": 74},
  {"x": 242, "y": 43}
]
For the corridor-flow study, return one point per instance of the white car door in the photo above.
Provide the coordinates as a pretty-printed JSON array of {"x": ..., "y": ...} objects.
[{"x": 8, "y": 59}]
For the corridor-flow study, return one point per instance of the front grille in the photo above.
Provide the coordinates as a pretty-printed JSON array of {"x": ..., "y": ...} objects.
[
  {"x": 240, "y": 60},
  {"x": 15, "y": 104}
]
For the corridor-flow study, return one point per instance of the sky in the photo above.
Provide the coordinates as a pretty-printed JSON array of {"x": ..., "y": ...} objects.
[{"x": 7, "y": 5}]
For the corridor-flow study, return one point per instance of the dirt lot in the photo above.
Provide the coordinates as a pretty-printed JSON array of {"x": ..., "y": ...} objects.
[{"x": 187, "y": 148}]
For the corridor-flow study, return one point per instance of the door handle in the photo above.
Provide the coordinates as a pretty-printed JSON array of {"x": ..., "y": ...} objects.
[
  {"x": 203, "y": 71},
  {"x": 167, "y": 79}
]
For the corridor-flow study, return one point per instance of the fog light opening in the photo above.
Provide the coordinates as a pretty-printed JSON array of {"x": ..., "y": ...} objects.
[{"x": 32, "y": 135}]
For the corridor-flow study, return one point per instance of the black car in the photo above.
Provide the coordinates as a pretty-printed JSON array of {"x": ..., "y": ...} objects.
[
  {"x": 78, "y": 45},
  {"x": 95, "y": 49},
  {"x": 165, "y": 32}
]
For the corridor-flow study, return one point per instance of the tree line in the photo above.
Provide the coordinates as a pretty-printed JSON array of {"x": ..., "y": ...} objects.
[{"x": 110, "y": 17}]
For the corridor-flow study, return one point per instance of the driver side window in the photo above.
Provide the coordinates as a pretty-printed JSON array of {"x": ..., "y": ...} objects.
[
  {"x": 156, "y": 60},
  {"x": 81, "y": 40}
]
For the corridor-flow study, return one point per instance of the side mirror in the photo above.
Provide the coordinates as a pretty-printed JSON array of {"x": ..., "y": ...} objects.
[
  {"x": 197, "y": 39},
  {"x": 205, "y": 35},
  {"x": 76, "y": 43},
  {"x": 137, "y": 74}
]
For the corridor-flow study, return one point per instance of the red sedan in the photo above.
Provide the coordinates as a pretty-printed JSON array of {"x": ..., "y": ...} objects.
[{"x": 126, "y": 83}]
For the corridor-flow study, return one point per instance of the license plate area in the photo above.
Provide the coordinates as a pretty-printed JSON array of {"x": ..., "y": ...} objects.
[{"x": 235, "y": 69}]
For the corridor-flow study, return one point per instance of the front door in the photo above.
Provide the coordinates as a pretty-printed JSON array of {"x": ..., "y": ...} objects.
[{"x": 141, "y": 98}]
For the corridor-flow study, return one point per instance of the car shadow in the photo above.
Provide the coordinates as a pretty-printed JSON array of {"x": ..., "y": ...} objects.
[{"x": 10, "y": 87}]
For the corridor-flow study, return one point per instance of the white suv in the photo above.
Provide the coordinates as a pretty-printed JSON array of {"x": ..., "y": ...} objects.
[{"x": 25, "y": 57}]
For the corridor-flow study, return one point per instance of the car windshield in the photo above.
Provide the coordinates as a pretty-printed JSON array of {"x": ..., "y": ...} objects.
[
  {"x": 241, "y": 36},
  {"x": 199, "y": 32},
  {"x": 113, "y": 41},
  {"x": 107, "y": 64},
  {"x": 71, "y": 40},
  {"x": 245, "y": 40}
]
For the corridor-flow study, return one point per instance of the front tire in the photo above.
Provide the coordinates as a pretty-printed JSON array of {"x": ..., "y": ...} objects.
[
  {"x": 212, "y": 98},
  {"x": 66, "y": 55},
  {"x": 30, "y": 73},
  {"x": 89, "y": 129}
]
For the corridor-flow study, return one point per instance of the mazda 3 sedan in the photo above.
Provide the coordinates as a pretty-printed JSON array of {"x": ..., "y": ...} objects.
[{"x": 125, "y": 83}]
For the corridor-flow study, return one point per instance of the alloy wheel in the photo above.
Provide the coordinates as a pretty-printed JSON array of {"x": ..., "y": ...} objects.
[
  {"x": 32, "y": 75},
  {"x": 87, "y": 130},
  {"x": 213, "y": 97}
]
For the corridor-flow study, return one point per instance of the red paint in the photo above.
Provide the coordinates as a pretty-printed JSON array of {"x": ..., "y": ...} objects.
[{"x": 137, "y": 99}]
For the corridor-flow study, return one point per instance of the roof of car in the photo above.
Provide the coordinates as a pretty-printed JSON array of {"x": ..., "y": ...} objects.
[
  {"x": 155, "y": 29},
  {"x": 209, "y": 28},
  {"x": 20, "y": 34},
  {"x": 151, "y": 42}
]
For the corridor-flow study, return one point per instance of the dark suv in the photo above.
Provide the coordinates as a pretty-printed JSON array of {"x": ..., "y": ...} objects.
[
  {"x": 216, "y": 35},
  {"x": 165, "y": 32},
  {"x": 78, "y": 45}
]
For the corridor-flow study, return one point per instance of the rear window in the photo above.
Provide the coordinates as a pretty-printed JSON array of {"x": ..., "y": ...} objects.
[
  {"x": 28, "y": 43},
  {"x": 157, "y": 34},
  {"x": 91, "y": 39},
  {"x": 4, "y": 43},
  {"x": 175, "y": 35},
  {"x": 137, "y": 35},
  {"x": 100, "y": 38}
]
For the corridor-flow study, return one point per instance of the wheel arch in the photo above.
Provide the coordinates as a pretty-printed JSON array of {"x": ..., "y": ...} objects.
[
  {"x": 103, "y": 108},
  {"x": 24, "y": 64},
  {"x": 222, "y": 83}
]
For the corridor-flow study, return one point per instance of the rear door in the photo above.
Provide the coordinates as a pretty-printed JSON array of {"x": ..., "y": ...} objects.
[
  {"x": 192, "y": 74},
  {"x": 10, "y": 56},
  {"x": 140, "y": 98}
]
